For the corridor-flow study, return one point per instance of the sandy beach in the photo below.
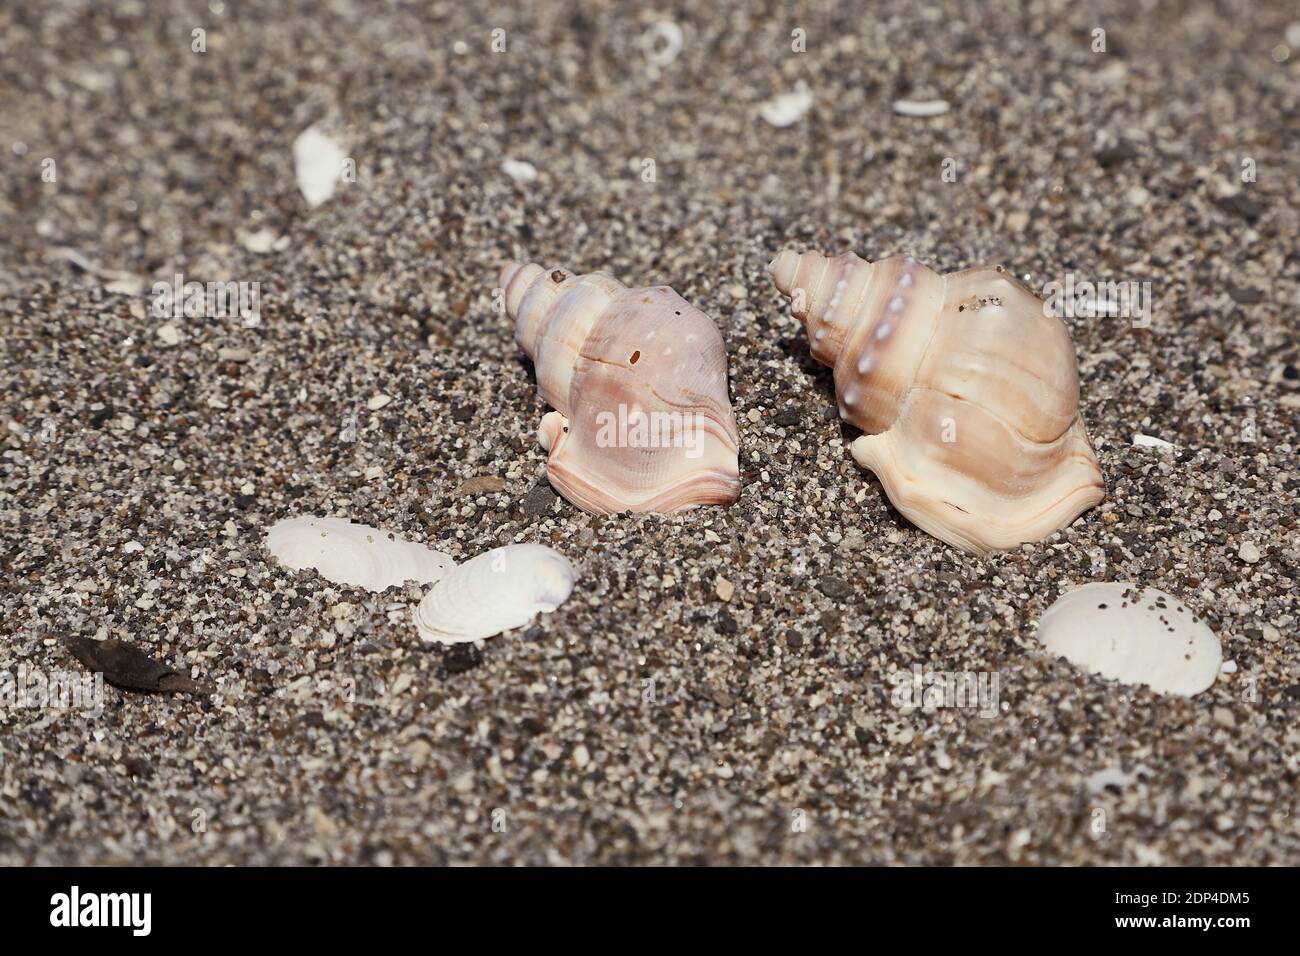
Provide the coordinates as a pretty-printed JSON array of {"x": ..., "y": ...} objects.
[{"x": 718, "y": 688}]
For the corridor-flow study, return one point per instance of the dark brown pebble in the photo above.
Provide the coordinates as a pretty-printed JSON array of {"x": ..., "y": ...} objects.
[
  {"x": 539, "y": 501},
  {"x": 834, "y": 588}
]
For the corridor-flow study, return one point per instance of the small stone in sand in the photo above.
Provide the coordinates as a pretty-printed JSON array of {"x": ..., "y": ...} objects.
[
  {"x": 834, "y": 588},
  {"x": 481, "y": 485},
  {"x": 260, "y": 242},
  {"x": 539, "y": 501},
  {"x": 787, "y": 108},
  {"x": 519, "y": 170},
  {"x": 318, "y": 165},
  {"x": 853, "y": 541}
]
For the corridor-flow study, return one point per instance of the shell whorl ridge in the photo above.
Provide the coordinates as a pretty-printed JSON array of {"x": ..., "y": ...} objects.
[
  {"x": 967, "y": 391},
  {"x": 638, "y": 379}
]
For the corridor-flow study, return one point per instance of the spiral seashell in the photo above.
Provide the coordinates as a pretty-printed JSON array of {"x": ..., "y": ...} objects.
[
  {"x": 966, "y": 388},
  {"x": 354, "y": 554},
  {"x": 638, "y": 381},
  {"x": 500, "y": 589}
]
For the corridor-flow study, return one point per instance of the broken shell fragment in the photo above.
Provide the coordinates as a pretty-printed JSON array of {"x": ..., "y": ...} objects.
[
  {"x": 638, "y": 381},
  {"x": 494, "y": 592},
  {"x": 353, "y": 554},
  {"x": 318, "y": 163},
  {"x": 787, "y": 108},
  {"x": 1134, "y": 635},
  {"x": 923, "y": 108},
  {"x": 966, "y": 387}
]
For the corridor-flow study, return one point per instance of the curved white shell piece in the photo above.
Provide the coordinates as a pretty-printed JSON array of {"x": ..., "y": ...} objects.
[
  {"x": 1135, "y": 635},
  {"x": 494, "y": 592},
  {"x": 318, "y": 162},
  {"x": 353, "y": 554}
]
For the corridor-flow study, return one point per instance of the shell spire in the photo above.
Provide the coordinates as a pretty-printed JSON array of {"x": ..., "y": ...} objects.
[
  {"x": 638, "y": 381},
  {"x": 966, "y": 388}
]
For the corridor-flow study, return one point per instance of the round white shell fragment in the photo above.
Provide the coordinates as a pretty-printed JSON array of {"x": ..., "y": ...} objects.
[
  {"x": 318, "y": 164},
  {"x": 1135, "y": 635},
  {"x": 354, "y": 554},
  {"x": 521, "y": 171},
  {"x": 494, "y": 592},
  {"x": 787, "y": 109}
]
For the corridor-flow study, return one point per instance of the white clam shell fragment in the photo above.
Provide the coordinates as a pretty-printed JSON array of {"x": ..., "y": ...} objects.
[
  {"x": 318, "y": 165},
  {"x": 1135, "y": 635},
  {"x": 354, "y": 554},
  {"x": 1150, "y": 441},
  {"x": 494, "y": 592},
  {"x": 521, "y": 171},
  {"x": 786, "y": 109}
]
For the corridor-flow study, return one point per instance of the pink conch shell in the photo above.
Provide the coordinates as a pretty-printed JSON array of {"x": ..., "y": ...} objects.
[
  {"x": 638, "y": 381},
  {"x": 967, "y": 389}
]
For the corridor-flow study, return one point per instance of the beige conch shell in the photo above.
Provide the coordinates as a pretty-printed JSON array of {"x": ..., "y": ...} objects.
[
  {"x": 638, "y": 379},
  {"x": 967, "y": 389}
]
